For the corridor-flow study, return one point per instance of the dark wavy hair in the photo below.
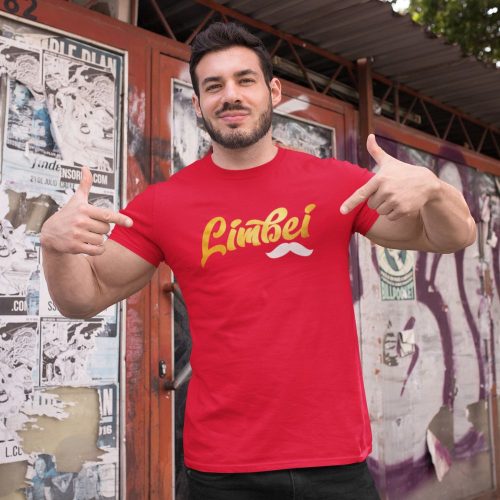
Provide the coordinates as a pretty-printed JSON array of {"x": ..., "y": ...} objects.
[{"x": 220, "y": 36}]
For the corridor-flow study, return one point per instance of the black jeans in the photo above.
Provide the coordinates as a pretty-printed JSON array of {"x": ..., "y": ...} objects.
[{"x": 338, "y": 482}]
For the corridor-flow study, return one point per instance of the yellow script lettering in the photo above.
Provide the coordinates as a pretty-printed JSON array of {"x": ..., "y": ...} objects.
[
  {"x": 254, "y": 232},
  {"x": 207, "y": 251},
  {"x": 304, "y": 230}
]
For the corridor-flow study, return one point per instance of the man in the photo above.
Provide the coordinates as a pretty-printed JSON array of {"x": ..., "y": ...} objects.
[{"x": 258, "y": 239}]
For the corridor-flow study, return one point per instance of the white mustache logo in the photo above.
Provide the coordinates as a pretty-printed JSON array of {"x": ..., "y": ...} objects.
[{"x": 285, "y": 248}]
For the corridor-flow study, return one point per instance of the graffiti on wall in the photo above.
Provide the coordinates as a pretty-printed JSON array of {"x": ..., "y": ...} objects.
[
  {"x": 429, "y": 351},
  {"x": 59, "y": 111}
]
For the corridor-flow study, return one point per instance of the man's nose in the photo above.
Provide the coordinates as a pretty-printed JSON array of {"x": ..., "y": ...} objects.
[{"x": 232, "y": 92}]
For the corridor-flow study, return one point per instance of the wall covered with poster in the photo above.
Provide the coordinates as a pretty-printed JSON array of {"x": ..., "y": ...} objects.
[{"x": 60, "y": 109}]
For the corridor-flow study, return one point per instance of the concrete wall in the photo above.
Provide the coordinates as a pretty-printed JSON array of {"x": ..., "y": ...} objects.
[{"x": 429, "y": 327}]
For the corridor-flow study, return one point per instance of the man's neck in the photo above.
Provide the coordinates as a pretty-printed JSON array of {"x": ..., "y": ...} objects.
[{"x": 257, "y": 154}]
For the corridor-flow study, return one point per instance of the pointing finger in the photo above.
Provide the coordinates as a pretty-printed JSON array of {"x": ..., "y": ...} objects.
[
  {"x": 109, "y": 216},
  {"x": 85, "y": 183},
  {"x": 360, "y": 195}
]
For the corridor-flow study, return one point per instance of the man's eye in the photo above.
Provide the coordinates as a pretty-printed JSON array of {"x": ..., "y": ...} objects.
[
  {"x": 247, "y": 81},
  {"x": 211, "y": 88}
]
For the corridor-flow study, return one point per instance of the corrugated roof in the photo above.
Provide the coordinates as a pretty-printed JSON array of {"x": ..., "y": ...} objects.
[{"x": 401, "y": 50}]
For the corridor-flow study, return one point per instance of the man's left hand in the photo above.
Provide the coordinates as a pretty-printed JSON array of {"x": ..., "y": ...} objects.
[{"x": 397, "y": 189}]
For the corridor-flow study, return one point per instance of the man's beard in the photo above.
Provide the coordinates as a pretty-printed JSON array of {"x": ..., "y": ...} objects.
[{"x": 237, "y": 139}]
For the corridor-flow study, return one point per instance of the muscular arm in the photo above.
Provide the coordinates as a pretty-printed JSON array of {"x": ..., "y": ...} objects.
[
  {"x": 442, "y": 225},
  {"x": 86, "y": 274},
  {"x": 417, "y": 210},
  {"x": 81, "y": 286}
]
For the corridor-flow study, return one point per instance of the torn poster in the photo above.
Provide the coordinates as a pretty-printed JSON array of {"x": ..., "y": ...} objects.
[
  {"x": 22, "y": 63},
  {"x": 18, "y": 376},
  {"x": 83, "y": 52},
  {"x": 92, "y": 482},
  {"x": 406, "y": 342},
  {"x": 190, "y": 140},
  {"x": 108, "y": 406},
  {"x": 24, "y": 405},
  {"x": 78, "y": 353},
  {"x": 397, "y": 273},
  {"x": 59, "y": 108},
  {"x": 310, "y": 137},
  {"x": 30, "y": 155},
  {"x": 21, "y": 217},
  {"x": 81, "y": 103},
  {"x": 28, "y": 126}
]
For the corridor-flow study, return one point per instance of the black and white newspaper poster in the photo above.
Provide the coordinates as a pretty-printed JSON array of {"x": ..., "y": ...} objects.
[
  {"x": 28, "y": 127},
  {"x": 190, "y": 140},
  {"x": 70, "y": 177},
  {"x": 22, "y": 214},
  {"x": 80, "y": 99},
  {"x": 19, "y": 348},
  {"x": 108, "y": 405},
  {"x": 94, "y": 481},
  {"x": 60, "y": 110},
  {"x": 30, "y": 155},
  {"x": 78, "y": 353},
  {"x": 22, "y": 62}
]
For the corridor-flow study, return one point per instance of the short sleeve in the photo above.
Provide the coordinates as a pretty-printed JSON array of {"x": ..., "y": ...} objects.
[
  {"x": 364, "y": 216},
  {"x": 141, "y": 237}
]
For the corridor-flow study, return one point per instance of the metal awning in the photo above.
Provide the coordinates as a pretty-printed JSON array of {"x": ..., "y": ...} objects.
[{"x": 401, "y": 51}]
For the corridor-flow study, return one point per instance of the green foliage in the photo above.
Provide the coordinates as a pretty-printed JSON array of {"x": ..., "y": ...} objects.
[{"x": 473, "y": 24}]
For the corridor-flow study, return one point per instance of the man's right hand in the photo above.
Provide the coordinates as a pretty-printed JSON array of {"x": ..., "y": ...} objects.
[{"x": 79, "y": 227}]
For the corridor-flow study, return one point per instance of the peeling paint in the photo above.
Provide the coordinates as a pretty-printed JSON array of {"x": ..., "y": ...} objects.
[{"x": 439, "y": 454}]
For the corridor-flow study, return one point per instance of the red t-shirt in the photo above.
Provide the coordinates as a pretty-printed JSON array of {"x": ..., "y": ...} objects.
[{"x": 261, "y": 256}]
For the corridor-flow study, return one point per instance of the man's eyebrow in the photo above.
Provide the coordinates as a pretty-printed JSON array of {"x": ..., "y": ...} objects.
[
  {"x": 238, "y": 74},
  {"x": 245, "y": 72},
  {"x": 209, "y": 79}
]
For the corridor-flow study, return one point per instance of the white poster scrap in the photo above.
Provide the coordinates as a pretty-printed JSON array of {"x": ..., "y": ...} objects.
[
  {"x": 190, "y": 140},
  {"x": 78, "y": 353},
  {"x": 22, "y": 63},
  {"x": 21, "y": 217},
  {"x": 18, "y": 377}
]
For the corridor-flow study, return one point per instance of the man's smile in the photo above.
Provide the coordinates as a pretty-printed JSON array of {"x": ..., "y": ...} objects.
[{"x": 233, "y": 116}]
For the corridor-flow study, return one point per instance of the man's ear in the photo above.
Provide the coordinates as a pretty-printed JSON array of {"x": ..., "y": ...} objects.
[
  {"x": 196, "y": 105},
  {"x": 275, "y": 86}
]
